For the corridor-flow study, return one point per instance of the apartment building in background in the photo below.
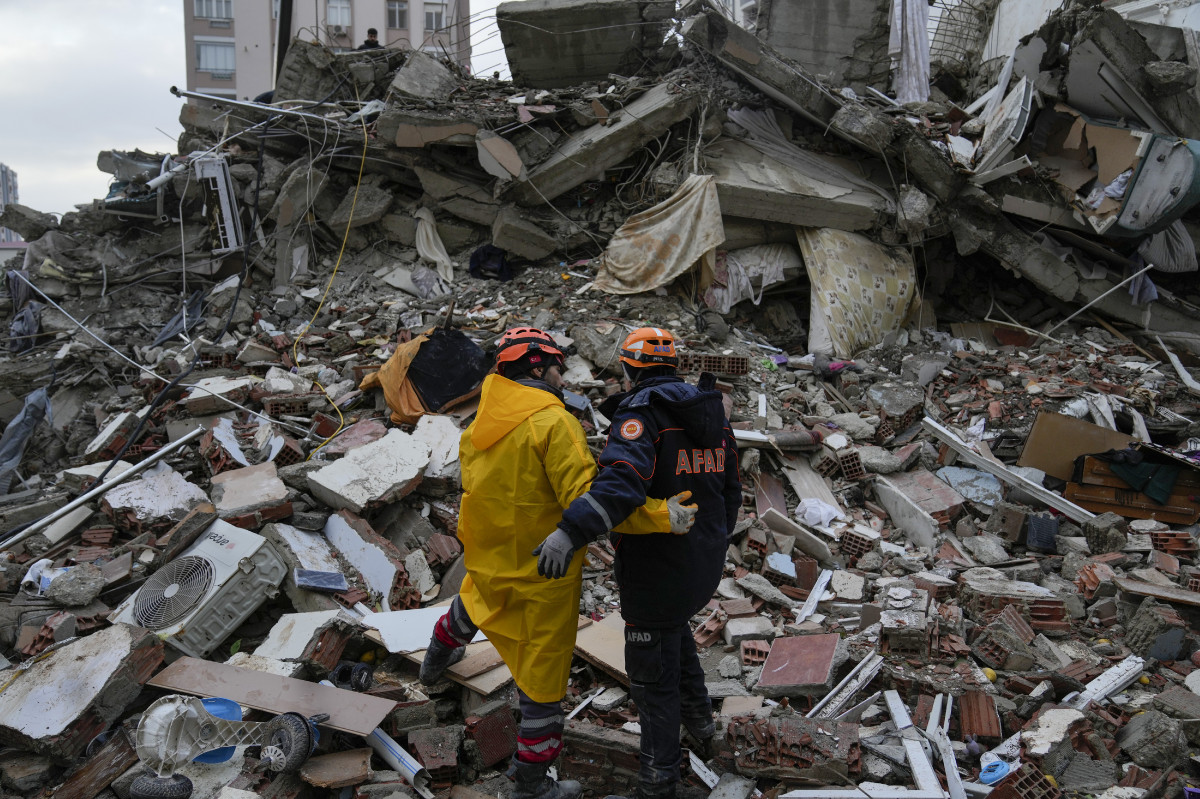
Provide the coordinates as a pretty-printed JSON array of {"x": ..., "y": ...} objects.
[
  {"x": 232, "y": 44},
  {"x": 8, "y": 194}
]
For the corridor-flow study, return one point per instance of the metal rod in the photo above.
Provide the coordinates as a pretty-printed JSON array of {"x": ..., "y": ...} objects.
[
  {"x": 270, "y": 109},
  {"x": 1139, "y": 273},
  {"x": 100, "y": 489}
]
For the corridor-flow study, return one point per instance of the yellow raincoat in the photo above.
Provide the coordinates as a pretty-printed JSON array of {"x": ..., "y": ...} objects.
[{"x": 524, "y": 459}]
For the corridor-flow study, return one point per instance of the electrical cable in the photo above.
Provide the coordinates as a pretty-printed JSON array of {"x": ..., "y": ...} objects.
[{"x": 341, "y": 252}]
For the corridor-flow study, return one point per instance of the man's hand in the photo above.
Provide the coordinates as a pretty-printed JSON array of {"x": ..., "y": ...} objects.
[
  {"x": 682, "y": 516},
  {"x": 554, "y": 554}
]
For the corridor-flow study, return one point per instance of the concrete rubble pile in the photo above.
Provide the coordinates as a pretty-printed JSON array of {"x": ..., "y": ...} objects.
[{"x": 967, "y": 559}]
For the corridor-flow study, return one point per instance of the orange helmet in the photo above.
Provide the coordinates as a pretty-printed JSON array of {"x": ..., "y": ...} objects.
[
  {"x": 528, "y": 343},
  {"x": 649, "y": 346}
]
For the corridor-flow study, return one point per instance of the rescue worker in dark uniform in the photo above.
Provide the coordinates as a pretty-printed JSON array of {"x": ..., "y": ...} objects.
[{"x": 667, "y": 437}]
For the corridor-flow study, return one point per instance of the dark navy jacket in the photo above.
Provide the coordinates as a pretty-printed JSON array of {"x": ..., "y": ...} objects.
[{"x": 667, "y": 436}]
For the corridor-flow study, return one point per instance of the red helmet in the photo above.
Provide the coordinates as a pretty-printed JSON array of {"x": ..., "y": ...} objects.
[
  {"x": 649, "y": 346},
  {"x": 527, "y": 343}
]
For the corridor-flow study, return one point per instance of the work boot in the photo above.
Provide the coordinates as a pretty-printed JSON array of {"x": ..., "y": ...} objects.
[
  {"x": 645, "y": 791},
  {"x": 438, "y": 658},
  {"x": 699, "y": 736},
  {"x": 534, "y": 783}
]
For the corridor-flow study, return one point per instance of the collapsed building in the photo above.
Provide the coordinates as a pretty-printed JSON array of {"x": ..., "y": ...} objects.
[{"x": 235, "y": 386}]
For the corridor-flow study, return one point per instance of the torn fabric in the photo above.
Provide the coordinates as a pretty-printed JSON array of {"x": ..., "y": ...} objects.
[
  {"x": 17, "y": 434},
  {"x": 430, "y": 246},
  {"x": 861, "y": 291},
  {"x": 908, "y": 43},
  {"x": 746, "y": 273},
  {"x": 1171, "y": 250},
  {"x": 659, "y": 244}
]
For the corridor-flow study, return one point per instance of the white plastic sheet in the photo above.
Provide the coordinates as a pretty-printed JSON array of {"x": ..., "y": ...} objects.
[{"x": 661, "y": 243}]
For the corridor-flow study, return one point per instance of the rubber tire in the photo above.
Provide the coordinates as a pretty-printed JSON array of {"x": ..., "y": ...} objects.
[
  {"x": 150, "y": 786},
  {"x": 291, "y": 734}
]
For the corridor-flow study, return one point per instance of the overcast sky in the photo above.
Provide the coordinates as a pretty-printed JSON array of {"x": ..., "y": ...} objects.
[{"x": 81, "y": 76}]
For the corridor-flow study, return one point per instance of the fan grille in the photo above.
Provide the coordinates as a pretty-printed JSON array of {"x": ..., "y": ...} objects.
[{"x": 172, "y": 592}]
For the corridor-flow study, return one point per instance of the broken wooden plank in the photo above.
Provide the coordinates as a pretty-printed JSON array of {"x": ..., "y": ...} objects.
[
  {"x": 1064, "y": 506},
  {"x": 348, "y": 711},
  {"x": 113, "y": 759},
  {"x": 805, "y": 480}
]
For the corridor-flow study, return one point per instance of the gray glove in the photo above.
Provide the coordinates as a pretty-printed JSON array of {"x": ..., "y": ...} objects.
[
  {"x": 682, "y": 516},
  {"x": 554, "y": 554}
]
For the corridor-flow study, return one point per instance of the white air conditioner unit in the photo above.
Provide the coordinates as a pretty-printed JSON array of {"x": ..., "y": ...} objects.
[
  {"x": 197, "y": 600},
  {"x": 338, "y": 30}
]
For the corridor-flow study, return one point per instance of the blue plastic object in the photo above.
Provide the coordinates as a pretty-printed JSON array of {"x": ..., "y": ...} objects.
[
  {"x": 992, "y": 773},
  {"x": 223, "y": 709}
]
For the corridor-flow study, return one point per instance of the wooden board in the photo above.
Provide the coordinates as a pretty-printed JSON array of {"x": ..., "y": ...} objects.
[
  {"x": 768, "y": 493},
  {"x": 603, "y": 645},
  {"x": 348, "y": 711}
]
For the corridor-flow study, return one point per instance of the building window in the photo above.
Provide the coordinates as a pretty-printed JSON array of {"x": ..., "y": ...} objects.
[
  {"x": 433, "y": 16},
  {"x": 338, "y": 13},
  {"x": 397, "y": 14},
  {"x": 215, "y": 57},
  {"x": 213, "y": 9}
]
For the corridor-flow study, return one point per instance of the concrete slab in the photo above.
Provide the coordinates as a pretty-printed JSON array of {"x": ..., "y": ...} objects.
[
  {"x": 241, "y": 491},
  {"x": 290, "y": 636},
  {"x": 513, "y": 233},
  {"x": 423, "y": 77},
  {"x": 803, "y": 664},
  {"x": 748, "y": 629},
  {"x": 59, "y": 703},
  {"x": 375, "y": 473},
  {"x": 556, "y": 43},
  {"x": 376, "y": 559},
  {"x": 759, "y": 187},
  {"x": 600, "y": 147},
  {"x": 161, "y": 493}
]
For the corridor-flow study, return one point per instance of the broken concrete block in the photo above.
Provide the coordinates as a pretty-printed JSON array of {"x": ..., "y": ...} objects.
[
  {"x": 365, "y": 206},
  {"x": 730, "y": 666},
  {"x": 611, "y": 698},
  {"x": 848, "y": 586},
  {"x": 419, "y": 573},
  {"x": 515, "y": 234},
  {"x": 206, "y": 395},
  {"x": 112, "y": 436},
  {"x": 551, "y": 43},
  {"x": 26, "y": 773},
  {"x": 424, "y": 77},
  {"x": 1105, "y": 533},
  {"x": 732, "y": 786},
  {"x": 1152, "y": 739},
  {"x": 294, "y": 633},
  {"x": 373, "y": 474},
  {"x": 253, "y": 491},
  {"x": 377, "y": 560},
  {"x": 68, "y": 524},
  {"x": 1156, "y": 631},
  {"x": 593, "y": 150},
  {"x": 762, "y": 588},
  {"x": 987, "y": 549},
  {"x": 77, "y": 586},
  {"x": 763, "y": 188},
  {"x": 27, "y": 223},
  {"x": 77, "y": 480},
  {"x": 160, "y": 495},
  {"x": 442, "y": 434},
  {"x": 801, "y": 665},
  {"x": 58, "y": 704},
  {"x": 752, "y": 627}
]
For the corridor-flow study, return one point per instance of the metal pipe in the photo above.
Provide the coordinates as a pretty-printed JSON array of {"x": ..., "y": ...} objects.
[
  {"x": 100, "y": 489},
  {"x": 1139, "y": 273},
  {"x": 249, "y": 106}
]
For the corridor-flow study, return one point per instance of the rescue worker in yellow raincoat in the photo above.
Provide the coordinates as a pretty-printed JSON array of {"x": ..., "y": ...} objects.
[{"x": 524, "y": 459}]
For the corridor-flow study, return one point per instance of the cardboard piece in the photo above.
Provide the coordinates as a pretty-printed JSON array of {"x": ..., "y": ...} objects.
[
  {"x": 1056, "y": 440},
  {"x": 603, "y": 645}
]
